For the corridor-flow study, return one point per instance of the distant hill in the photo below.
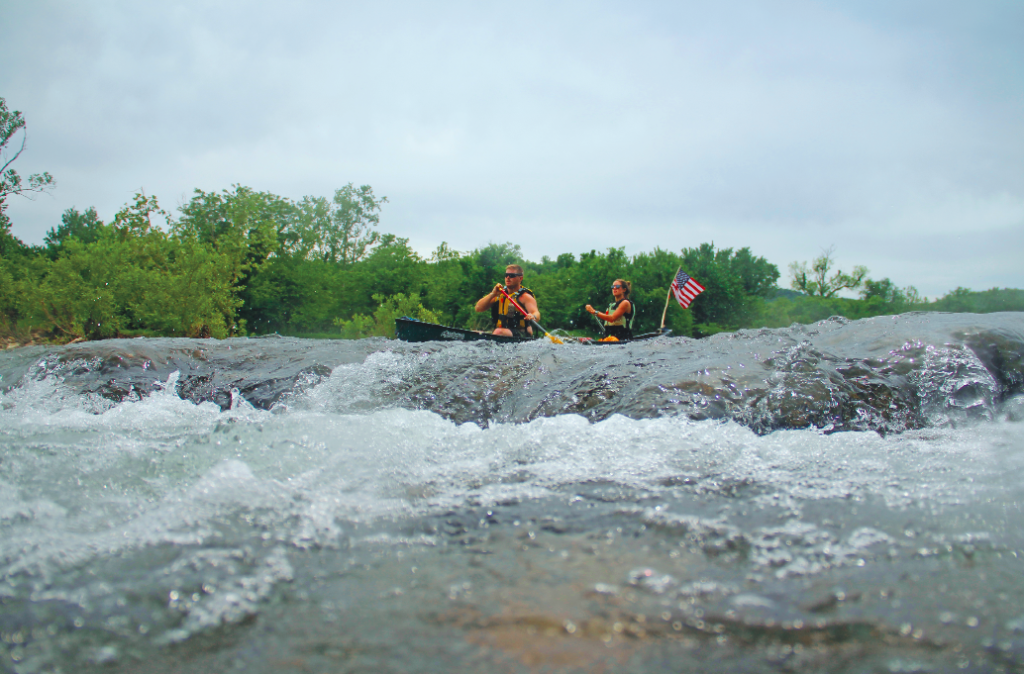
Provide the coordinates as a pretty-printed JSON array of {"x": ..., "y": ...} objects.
[{"x": 784, "y": 293}]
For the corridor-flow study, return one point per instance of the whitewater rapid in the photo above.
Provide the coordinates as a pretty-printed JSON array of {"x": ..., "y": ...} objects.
[{"x": 841, "y": 497}]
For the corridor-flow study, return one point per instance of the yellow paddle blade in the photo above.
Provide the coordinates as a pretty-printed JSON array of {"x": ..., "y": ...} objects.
[{"x": 538, "y": 328}]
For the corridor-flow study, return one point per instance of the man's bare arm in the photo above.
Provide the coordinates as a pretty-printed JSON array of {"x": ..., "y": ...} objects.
[
  {"x": 485, "y": 302},
  {"x": 529, "y": 303}
]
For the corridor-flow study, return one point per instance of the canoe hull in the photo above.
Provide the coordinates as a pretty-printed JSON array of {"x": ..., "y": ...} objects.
[{"x": 411, "y": 330}]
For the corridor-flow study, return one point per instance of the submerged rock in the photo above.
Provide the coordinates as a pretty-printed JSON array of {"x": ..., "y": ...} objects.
[
  {"x": 887, "y": 374},
  {"x": 261, "y": 371}
]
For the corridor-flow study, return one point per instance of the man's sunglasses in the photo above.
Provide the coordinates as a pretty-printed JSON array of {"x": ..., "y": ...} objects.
[{"x": 512, "y": 275}]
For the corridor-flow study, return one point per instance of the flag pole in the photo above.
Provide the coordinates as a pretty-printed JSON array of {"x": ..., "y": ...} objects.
[{"x": 667, "y": 297}]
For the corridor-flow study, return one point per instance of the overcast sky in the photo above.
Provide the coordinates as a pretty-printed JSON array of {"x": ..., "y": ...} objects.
[{"x": 892, "y": 130}]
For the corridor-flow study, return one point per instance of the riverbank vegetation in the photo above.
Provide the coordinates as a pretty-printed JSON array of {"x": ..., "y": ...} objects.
[{"x": 241, "y": 262}]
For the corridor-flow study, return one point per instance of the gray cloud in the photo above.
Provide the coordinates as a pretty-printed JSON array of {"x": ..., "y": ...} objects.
[{"x": 887, "y": 131}]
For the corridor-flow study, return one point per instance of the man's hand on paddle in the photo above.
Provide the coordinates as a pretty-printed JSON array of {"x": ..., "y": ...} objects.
[{"x": 527, "y": 301}]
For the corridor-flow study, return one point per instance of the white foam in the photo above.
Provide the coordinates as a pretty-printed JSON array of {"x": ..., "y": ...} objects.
[{"x": 80, "y": 486}]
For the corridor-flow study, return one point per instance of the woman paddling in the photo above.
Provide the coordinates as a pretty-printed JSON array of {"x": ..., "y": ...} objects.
[{"x": 618, "y": 320}]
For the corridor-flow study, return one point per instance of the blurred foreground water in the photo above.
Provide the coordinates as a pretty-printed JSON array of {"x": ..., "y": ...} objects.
[{"x": 842, "y": 497}]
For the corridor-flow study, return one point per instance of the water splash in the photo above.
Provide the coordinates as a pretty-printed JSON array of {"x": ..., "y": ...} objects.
[{"x": 643, "y": 481}]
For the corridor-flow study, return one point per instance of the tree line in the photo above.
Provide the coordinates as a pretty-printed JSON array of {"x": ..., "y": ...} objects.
[{"x": 240, "y": 261}]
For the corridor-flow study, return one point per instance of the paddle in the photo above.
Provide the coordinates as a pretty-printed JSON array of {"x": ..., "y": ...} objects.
[{"x": 535, "y": 324}]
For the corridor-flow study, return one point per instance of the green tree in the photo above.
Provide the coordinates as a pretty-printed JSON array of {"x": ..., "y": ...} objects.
[
  {"x": 136, "y": 219},
  {"x": 884, "y": 290},
  {"x": 959, "y": 300},
  {"x": 885, "y": 297},
  {"x": 86, "y": 227},
  {"x": 11, "y": 183},
  {"x": 444, "y": 253},
  {"x": 382, "y": 324},
  {"x": 497, "y": 256},
  {"x": 447, "y": 284},
  {"x": 242, "y": 223},
  {"x": 247, "y": 227},
  {"x": 816, "y": 280},
  {"x": 392, "y": 268},
  {"x": 759, "y": 277},
  {"x": 187, "y": 292},
  {"x": 341, "y": 230},
  {"x": 150, "y": 284},
  {"x": 11, "y": 122},
  {"x": 131, "y": 278},
  {"x": 72, "y": 296},
  {"x": 10, "y": 297}
]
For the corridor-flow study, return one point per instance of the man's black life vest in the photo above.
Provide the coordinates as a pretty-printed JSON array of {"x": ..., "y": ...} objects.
[
  {"x": 505, "y": 315},
  {"x": 622, "y": 328}
]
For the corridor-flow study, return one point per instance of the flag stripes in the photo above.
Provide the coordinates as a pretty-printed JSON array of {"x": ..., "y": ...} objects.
[{"x": 685, "y": 289}]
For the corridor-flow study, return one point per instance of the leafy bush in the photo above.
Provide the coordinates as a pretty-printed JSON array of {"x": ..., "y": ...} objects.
[{"x": 382, "y": 324}]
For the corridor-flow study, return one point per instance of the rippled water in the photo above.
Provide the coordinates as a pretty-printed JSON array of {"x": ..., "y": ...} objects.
[{"x": 841, "y": 497}]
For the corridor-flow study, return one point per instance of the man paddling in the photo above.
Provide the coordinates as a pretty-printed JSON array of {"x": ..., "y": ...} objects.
[{"x": 508, "y": 321}]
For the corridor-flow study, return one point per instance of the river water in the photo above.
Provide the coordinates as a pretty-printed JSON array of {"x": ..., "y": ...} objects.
[{"x": 841, "y": 497}]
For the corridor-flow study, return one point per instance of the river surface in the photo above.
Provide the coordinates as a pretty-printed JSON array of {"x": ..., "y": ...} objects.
[{"x": 839, "y": 497}]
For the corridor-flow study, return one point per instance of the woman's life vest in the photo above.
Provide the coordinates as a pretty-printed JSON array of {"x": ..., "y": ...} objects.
[
  {"x": 505, "y": 315},
  {"x": 623, "y": 327}
]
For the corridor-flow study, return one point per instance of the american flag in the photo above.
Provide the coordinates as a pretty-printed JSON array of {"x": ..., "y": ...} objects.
[{"x": 685, "y": 289}]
